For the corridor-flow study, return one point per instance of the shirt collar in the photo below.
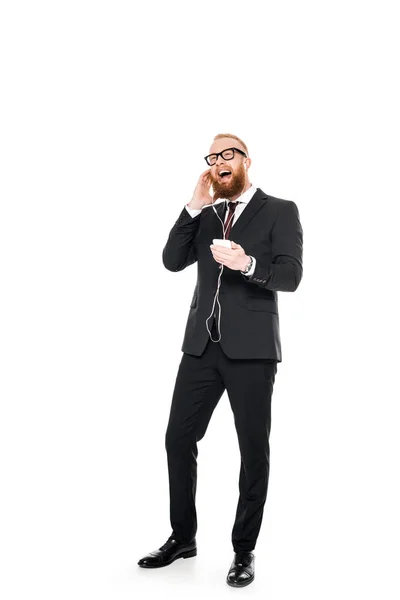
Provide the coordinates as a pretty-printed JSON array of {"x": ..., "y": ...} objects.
[{"x": 245, "y": 198}]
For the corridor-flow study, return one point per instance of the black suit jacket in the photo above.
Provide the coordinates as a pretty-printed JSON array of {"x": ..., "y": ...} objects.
[{"x": 268, "y": 229}]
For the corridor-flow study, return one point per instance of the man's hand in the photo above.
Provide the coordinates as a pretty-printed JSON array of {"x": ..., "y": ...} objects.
[
  {"x": 201, "y": 195},
  {"x": 235, "y": 258}
]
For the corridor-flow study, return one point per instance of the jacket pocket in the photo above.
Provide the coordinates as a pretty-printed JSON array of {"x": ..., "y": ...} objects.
[{"x": 257, "y": 303}]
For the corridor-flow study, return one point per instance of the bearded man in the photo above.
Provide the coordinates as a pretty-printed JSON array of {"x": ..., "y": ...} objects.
[{"x": 231, "y": 342}]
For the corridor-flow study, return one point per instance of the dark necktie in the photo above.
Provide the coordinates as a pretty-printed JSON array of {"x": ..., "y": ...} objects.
[
  {"x": 229, "y": 219},
  {"x": 227, "y": 228}
]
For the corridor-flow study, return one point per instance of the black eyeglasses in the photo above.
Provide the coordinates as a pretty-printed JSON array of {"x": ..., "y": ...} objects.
[{"x": 227, "y": 154}]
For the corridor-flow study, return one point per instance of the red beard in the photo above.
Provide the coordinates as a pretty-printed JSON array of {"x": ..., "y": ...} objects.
[{"x": 233, "y": 187}]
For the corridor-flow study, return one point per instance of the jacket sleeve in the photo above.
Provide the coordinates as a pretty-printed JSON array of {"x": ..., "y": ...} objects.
[
  {"x": 285, "y": 270},
  {"x": 180, "y": 250}
]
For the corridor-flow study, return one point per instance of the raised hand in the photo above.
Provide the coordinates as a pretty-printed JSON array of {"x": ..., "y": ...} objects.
[{"x": 201, "y": 195}]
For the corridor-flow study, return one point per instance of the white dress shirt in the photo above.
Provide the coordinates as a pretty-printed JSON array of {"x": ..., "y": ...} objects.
[{"x": 242, "y": 202}]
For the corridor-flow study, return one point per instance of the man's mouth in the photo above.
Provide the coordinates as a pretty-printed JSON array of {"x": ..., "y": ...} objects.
[{"x": 224, "y": 174}]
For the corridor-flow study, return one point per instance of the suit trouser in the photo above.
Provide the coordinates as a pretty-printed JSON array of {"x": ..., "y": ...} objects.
[{"x": 200, "y": 383}]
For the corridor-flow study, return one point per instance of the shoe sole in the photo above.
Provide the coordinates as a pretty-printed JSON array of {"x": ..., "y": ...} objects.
[
  {"x": 247, "y": 582},
  {"x": 188, "y": 554}
]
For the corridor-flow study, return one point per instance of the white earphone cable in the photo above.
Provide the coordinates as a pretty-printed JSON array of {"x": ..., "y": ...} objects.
[{"x": 224, "y": 228}]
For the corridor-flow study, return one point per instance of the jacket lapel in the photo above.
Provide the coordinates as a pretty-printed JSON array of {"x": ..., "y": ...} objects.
[
  {"x": 253, "y": 206},
  {"x": 215, "y": 222},
  {"x": 220, "y": 209}
]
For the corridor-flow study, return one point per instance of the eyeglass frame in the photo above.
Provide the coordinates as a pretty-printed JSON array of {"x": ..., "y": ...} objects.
[{"x": 220, "y": 154}]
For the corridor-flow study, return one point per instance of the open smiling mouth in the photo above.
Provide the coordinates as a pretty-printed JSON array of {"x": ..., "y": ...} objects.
[{"x": 224, "y": 175}]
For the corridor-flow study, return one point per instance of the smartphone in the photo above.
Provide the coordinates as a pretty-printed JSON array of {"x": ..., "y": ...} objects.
[{"x": 225, "y": 243}]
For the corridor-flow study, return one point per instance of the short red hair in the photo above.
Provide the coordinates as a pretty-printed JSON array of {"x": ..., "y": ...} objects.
[{"x": 234, "y": 137}]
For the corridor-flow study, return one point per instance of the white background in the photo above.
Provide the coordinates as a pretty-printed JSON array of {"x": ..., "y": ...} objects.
[{"x": 107, "y": 109}]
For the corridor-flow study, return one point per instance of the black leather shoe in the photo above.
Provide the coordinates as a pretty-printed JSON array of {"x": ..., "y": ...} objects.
[
  {"x": 169, "y": 552},
  {"x": 241, "y": 571}
]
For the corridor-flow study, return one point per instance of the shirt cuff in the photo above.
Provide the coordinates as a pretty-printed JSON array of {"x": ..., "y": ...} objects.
[{"x": 193, "y": 212}]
